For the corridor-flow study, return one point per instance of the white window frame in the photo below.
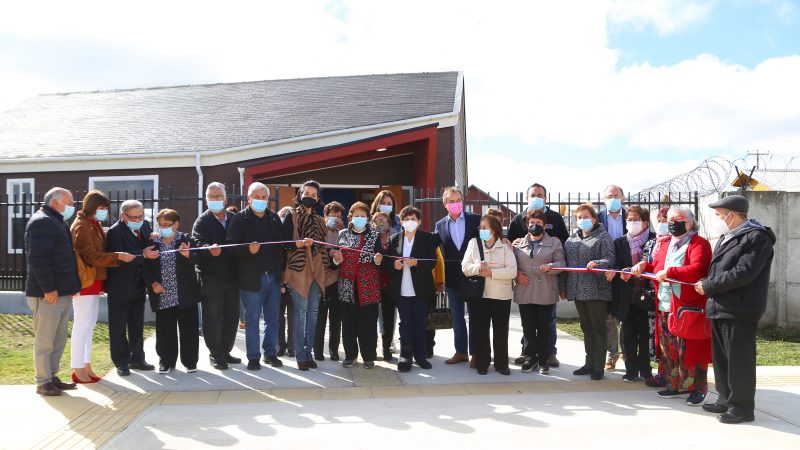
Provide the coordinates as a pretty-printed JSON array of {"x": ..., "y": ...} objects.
[
  {"x": 12, "y": 214},
  {"x": 153, "y": 178}
]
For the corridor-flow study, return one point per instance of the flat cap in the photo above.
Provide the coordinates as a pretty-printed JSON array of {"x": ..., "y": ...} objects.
[{"x": 735, "y": 203}]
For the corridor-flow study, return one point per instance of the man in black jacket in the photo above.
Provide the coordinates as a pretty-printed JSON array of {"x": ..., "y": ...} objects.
[
  {"x": 518, "y": 228},
  {"x": 259, "y": 267},
  {"x": 51, "y": 283},
  {"x": 220, "y": 293},
  {"x": 736, "y": 287},
  {"x": 126, "y": 288}
]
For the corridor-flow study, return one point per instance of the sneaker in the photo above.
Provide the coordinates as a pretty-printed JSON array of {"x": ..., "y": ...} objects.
[
  {"x": 696, "y": 398},
  {"x": 348, "y": 363},
  {"x": 273, "y": 361},
  {"x": 253, "y": 364},
  {"x": 630, "y": 378},
  {"x": 529, "y": 365},
  {"x": 369, "y": 364},
  {"x": 191, "y": 369},
  {"x": 668, "y": 393},
  {"x": 334, "y": 356},
  {"x": 544, "y": 369},
  {"x": 552, "y": 361},
  {"x": 162, "y": 368}
]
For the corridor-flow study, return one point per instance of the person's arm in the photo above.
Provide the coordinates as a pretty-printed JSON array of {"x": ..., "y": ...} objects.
[
  {"x": 751, "y": 262},
  {"x": 559, "y": 259},
  {"x": 40, "y": 244},
  {"x": 606, "y": 260},
  {"x": 438, "y": 271},
  {"x": 83, "y": 241},
  {"x": 698, "y": 258},
  {"x": 509, "y": 269},
  {"x": 471, "y": 265}
]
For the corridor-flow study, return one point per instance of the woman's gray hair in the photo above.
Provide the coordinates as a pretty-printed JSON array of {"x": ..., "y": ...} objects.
[
  {"x": 257, "y": 186},
  {"x": 128, "y": 205},
  {"x": 685, "y": 212},
  {"x": 216, "y": 185}
]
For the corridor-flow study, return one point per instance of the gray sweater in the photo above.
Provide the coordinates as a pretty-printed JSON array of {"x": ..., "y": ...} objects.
[{"x": 579, "y": 251}]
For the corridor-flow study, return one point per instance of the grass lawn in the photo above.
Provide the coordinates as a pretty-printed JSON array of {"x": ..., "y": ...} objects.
[
  {"x": 774, "y": 347},
  {"x": 16, "y": 349}
]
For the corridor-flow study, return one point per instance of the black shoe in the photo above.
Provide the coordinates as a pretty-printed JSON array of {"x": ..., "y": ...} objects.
[
  {"x": 311, "y": 364},
  {"x": 715, "y": 408},
  {"x": 281, "y": 351},
  {"x": 597, "y": 375},
  {"x": 387, "y": 354},
  {"x": 403, "y": 365},
  {"x": 430, "y": 353},
  {"x": 63, "y": 386},
  {"x": 232, "y": 359},
  {"x": 253, "y": 364},
  {"x": 544, "y": 369},
  {"x": 48, "y": 390},
  {"x": 520, "y": 360},
  {"x": 334, "y": 356},
  {"x": 273, "y": 361},
  {"x": 504, "y": 371},
  {"x": 730, "y": 417},
  {"x": 695, "y": 398},
  {"x": 290, "y": 353},
  {"x": 141, "y": 366},
  {"x": 529, "y": 365},
  {"x": 482, "y": 371},
  {"x": 218, "y": 364},
  {"x": 630, "y": 378},
  {"x": 369, "y": 364},
  {"x": 163, "y": 368},
  {"x": 123, "y": 371},
  {"x": 319, "y": 357},
  {"x": 347, "y": 363},
  {"x": 585, "y": 370},
  {"x": 424, "y": 364}
]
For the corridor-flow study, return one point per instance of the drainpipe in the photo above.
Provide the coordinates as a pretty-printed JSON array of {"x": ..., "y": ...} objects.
[
  {"x": 199, "y": 183},
  {"x": 241, "y": 186}
]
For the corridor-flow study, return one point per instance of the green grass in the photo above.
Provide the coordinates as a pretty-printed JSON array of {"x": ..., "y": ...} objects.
[
  {"x": 774, "y": 347},
  {"x": 16, "y": 349}
]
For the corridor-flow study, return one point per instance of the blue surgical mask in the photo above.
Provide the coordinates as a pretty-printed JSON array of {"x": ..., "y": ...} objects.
[
  {"x": 69, "y": 210},
  {"x": 101, "y": 215},
  {"x": 585, "y": 224},
  {"x": 216, "y": 205},
  {"x": 485, "y": 235},
  {"x": 166, "y": 232},
  {"x": 536, "y": 203},
  {"x": 613, "y": 204},
  {"x": 331, "y": 222},
  {"x": 135, "y": 226},
  {"x": 662, "y": 229},
  {"x": 258, "y": 205},
  {"x": 359, "y": 223},
  {"x": 386, "y": 209}
]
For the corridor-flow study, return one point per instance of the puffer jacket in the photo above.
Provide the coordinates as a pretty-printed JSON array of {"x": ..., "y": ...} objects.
[
  {"x": 579, "y": 250},
  {"x": 501, "y": 260}
]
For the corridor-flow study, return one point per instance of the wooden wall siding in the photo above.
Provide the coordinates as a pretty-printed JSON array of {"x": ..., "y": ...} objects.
[
  {"x": 445, "y": 159},
  {"x": 397, "y": 170}
]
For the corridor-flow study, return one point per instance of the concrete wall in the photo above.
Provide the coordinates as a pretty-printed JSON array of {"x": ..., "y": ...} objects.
[{"x": 776, "y": 210}]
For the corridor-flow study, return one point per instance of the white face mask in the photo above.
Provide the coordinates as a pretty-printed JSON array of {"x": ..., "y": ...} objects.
[
  {"x": 634, "y": 227},
  {"x": 721, "y": 225},
  {"x": 410, "y": 226}
]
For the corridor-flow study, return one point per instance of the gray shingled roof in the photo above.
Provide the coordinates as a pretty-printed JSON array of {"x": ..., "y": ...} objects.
[{"x": 216, "y": 116}]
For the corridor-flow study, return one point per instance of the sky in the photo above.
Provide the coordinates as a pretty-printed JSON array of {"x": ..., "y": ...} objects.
[{"x": 571, "y": 94}]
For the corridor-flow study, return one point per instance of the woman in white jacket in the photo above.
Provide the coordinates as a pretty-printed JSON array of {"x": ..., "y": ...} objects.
[{"x": 499, "y": 267}]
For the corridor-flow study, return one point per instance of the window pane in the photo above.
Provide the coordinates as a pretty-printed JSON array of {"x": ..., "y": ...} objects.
[{"x": 120, "y": 190}]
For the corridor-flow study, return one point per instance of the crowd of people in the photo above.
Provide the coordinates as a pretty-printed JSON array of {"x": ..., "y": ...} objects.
[{"x": 656, "y": 287}]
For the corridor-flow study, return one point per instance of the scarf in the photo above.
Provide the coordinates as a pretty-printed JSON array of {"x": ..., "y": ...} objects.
[{"x": 636, "y": 243}]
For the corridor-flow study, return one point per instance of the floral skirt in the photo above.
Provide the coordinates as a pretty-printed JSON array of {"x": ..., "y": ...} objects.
[{"x": 678, "y": 377}]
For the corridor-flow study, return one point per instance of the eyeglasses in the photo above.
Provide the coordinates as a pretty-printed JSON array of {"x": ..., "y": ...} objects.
[{"x": 135, "y": 218}]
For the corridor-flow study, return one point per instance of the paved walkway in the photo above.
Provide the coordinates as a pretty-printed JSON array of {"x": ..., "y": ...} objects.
[{"x": 447, "y": 406}]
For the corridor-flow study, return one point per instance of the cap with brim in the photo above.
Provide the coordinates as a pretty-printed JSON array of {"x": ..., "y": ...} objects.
[{"x": 735, "y": 203}]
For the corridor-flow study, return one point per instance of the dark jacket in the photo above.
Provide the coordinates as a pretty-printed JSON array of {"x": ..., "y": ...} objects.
[
  {"x": 188, "y": 287},
  {"x": 518, "y": 228},
  {"x": 206, "y": 231},
  {"x": 739, "y": 274},
  {"x": 246, "y": 227},
  {"x": 602, "y": 217},
  {"x": 422, "y": 274},
  {"x": 51, "y": 257},
  {"x": 125, "y": 281},
  {"x": 622, "y": 292},
  {"x": 453, "y": 276}
]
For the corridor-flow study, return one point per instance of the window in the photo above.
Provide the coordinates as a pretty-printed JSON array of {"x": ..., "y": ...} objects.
[
  {"x": 21, "y": 205},
  {"x": 140, "y": 187}
]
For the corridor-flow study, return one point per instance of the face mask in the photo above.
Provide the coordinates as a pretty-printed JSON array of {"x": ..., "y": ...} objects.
[
  {"x": 331, "y": 222},
  {"x": 536, "y": 230},
  {"x": 485, "y": 235},
  {"x": 308, "y": 202},
  {"x": 613, "y": 204},
  {"x": 585, "y": 224},
  {"x": 135, "y": 226},
  {"x": 166, "y": 232},
  {"x": 101, "y": 215},
  {"x": 359, "y": 223},
  {"x": 662, "y": 229},
  {"x": 677, "y": 228},
  {"x": 721, "y": 225},
  {"x": 69, "y": 210},
  {"x": 258, "y": 205},
  {"x": 386, "y": 209},
  {"x": 536, "y": 203},
  {"x": 216, "y": 205},
  {"x": 410, "y": 226},
  {"x": 455, "y": 208},
  {"x": 634, "y": 227},
  {"x": 380, "y": 227}
]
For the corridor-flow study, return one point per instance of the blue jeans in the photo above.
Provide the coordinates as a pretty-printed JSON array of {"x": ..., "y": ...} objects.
[
  {"x": 413, "y": 327},
  {"x": 305, "y": 321},
  {"x": 553, "y": 349},
  {"x": 268, "y": 301},
  {"x": 463, "y": 338}
]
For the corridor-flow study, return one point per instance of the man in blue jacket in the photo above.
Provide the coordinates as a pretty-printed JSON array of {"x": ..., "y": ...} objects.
[
  {"x": 613, "y": 218},
  {"x": 51, "y": 283}
]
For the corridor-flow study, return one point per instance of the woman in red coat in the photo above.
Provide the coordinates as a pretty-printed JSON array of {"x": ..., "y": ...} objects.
[{"x": 684, "y": 257}]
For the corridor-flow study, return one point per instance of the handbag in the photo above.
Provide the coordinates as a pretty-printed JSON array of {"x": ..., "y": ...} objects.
[
  {"x": 439, "y": 317},
  {"x": 644, "y": 295},
  {"x": 472, "y": 287},
  {"x": 690, "y": 322}
]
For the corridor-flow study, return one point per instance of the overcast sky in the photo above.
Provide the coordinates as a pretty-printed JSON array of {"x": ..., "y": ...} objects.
[{"x": 574, "y": 95}]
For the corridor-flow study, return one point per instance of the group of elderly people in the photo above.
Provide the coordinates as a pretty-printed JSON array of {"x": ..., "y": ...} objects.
[{"x": 678, "y": 303}]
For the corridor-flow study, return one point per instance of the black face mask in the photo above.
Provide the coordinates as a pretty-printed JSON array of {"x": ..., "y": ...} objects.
[
  {"x": 308, "y": 202},
  {"x": 677, "y": 228},
  {"x": 536, "y": 230}
]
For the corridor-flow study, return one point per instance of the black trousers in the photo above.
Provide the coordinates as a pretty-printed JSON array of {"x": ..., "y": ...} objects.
[
  {"x": 387, "y": 311},
  {"x": 494, "y": 314},
  {"x": 286, "y": 336},
  {"x": 636, "y": 343},
  {"x": 329, "y": 312},
  {"x": 592, "y": 315},
  {"x": 126, "y": 329},
  {"x": 733, "y": 346},
  {"x": 359, "y": 330},
  {"x": 220, "y": 302},
  {"x": 536, "y": 331},
  {"x": 174, "y": 324}
]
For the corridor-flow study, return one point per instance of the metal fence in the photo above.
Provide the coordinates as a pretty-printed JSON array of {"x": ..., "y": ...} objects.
[{"x": 16, "y": 211}]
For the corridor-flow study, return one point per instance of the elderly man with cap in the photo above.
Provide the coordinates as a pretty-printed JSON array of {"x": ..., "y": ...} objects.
[{"x": 737, "y": 297}]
